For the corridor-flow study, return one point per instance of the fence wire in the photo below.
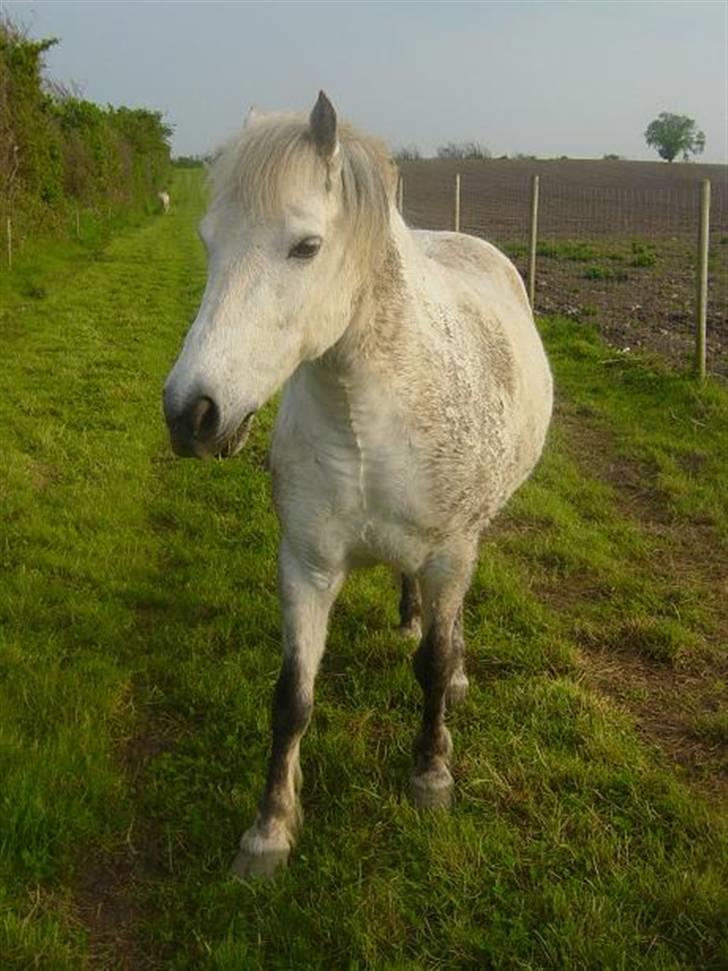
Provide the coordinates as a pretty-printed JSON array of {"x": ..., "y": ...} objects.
[{"x": 617, "y": 242}]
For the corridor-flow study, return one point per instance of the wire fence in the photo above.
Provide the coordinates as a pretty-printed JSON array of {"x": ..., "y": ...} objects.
[{"x": 620, "y": 255}]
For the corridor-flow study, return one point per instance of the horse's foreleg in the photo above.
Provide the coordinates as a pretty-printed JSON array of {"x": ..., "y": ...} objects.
[
  {"x": 435, "y": 663},
  {"x": 305, "y": 606},
  {"x": 457, "y": 689},
  {"x": 410, "y": 608}
]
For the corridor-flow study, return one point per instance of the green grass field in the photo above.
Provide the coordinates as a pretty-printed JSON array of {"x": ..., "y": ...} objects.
[{"x": 139, "y": 647}]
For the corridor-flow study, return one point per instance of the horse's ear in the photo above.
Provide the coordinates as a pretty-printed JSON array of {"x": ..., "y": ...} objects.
[
  {"x": 253, "y": 116},
  {"x": 391, "y": 179},
  {"x": 323, "y": 127}
]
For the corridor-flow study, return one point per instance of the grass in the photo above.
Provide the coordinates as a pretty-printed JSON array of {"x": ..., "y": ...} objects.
[
  {"x": 139, "y": 646},
  {"x": 643, "y": 254},
  {"x": 637, "y": 252},
  {"x": 597, "y": 272}
]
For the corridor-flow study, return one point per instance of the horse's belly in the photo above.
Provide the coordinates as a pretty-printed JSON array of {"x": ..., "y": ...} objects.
[{"x": 392, "y": 544}]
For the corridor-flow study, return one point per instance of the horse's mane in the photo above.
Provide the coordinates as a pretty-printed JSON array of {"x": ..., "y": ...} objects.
[{"x": 259, "y": 167}]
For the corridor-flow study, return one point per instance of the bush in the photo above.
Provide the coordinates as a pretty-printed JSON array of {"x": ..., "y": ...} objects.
[{"x": 58, "y": 151}]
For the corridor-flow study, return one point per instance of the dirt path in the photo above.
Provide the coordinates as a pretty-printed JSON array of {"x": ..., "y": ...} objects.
[{"x": 672, "y": 707}]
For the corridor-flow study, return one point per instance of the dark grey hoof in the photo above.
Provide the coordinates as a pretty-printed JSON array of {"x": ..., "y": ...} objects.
[
  {"x": 433, "y": 789},
  {"x": 457, "y": 690},
  {"x": 258, "y": 866}
]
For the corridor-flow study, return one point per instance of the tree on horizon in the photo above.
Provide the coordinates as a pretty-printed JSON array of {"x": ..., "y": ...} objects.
[{"x": 674, "y": 134}]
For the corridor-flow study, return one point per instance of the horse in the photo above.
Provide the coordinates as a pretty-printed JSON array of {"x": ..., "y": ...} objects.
[
  {"x": 164, "y": 200},
  {"x": 417, "y": 397}
]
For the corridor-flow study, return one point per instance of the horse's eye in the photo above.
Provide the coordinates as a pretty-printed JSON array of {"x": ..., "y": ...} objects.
[{"x": 305, "y": 249}]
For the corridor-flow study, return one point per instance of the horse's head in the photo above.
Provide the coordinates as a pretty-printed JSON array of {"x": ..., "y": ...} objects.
[{"x": 298, "y": 207}]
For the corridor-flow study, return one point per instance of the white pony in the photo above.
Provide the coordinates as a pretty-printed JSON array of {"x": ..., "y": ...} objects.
[
  {"x": 417, "y": 399},
  {"x": 164, "y": 200}
]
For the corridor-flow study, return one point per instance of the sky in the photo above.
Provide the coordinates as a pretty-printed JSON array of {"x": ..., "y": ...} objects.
[{"x": 541, "y": 77}]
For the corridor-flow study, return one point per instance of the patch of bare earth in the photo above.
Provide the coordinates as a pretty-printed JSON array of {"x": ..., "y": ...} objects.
[
  {"x": 105, "y": 894},
  {"x": 666, "y": 706},
  {"x": 667, "y": 702},
  {"x": 105, "y": 906}
]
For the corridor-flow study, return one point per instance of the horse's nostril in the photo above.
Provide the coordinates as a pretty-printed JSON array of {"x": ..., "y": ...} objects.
[{"x": 204, "y": 419}]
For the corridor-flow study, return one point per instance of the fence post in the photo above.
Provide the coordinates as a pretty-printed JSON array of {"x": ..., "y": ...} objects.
[
  {"x": 456, "y": 220},
  {"x": 533, "y": 236},
  {"x": 400, "y": 195},
  {"x": 701, "y": 310},
  {"x": 10, "y": 243}
]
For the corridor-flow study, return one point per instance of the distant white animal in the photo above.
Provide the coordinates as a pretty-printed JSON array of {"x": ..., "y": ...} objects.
[
  {"x": 164, "y": 200},
  {"x": 417, "y": 399}
]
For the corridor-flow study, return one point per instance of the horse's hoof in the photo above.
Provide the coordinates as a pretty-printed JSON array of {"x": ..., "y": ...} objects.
[
  {"x": 263, "y": 851},
  {"x": 258, "y": 866},
  {"x": 433, "y": 789},
  {"x": 457, "y": 690},
  {"x": 411, "y": 631}
]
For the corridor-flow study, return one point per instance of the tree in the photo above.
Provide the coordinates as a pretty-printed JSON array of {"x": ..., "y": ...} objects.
[
  {"x": 410, "y": 153},
  {"x": 673, "y": 134},
  {"x": 461, "y": 150}
]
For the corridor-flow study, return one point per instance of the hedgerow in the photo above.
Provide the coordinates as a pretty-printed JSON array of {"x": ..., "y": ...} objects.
[{"x": 60, "y": 153}]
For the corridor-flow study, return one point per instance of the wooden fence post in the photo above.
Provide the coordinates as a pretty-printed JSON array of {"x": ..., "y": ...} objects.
[
  {"x": 701, "y": 309},
  {"x": 400, "y": 194},
  {"x": 456, "y": 220},
  {"x": 533, "y": 237}
]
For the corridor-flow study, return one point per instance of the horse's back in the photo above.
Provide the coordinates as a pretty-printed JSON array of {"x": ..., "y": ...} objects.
[
  {"x": 470, "y": 257},
  {"x": 482, "y": 291},
  {"x": 484, "y": 316}
]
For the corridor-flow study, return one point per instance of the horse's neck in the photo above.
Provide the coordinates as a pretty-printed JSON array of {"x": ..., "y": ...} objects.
[
  {"x": 349, "y": 386},
  {"x": 381, "y": 317}
]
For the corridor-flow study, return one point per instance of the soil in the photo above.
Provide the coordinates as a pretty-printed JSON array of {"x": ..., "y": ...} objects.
[{"x": 105, "y": 898}]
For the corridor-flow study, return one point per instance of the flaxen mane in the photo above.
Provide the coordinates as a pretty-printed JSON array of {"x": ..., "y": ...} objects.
[{"x": 276, "y": 156}]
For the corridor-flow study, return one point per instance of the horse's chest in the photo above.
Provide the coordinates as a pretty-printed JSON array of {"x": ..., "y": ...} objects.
[
  {"x": 353, "y": 489},
  {"x": 381, "y": 503},
  {"x": 374, "y": 477}
]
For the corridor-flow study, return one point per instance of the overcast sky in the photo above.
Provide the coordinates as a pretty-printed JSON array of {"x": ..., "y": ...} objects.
[{"x": 545, "y": 78}]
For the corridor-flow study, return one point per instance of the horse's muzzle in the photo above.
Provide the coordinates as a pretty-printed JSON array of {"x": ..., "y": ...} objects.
[
  {"x": 233, "y": 443},
  {"x": 196, "y": 430}
]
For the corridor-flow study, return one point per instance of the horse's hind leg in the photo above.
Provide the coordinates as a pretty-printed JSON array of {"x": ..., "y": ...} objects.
[
  {"x": 443, "y": 586},
  {"x": 306, "y": 605},
  {"x": 410, "y": 608},
  {"x": 457, "y": 689}
]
